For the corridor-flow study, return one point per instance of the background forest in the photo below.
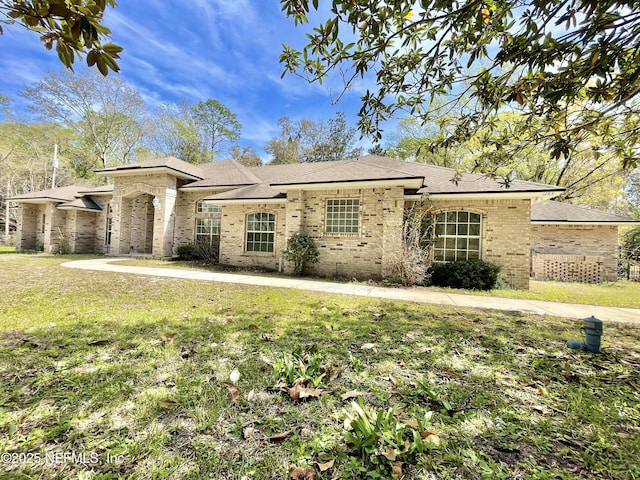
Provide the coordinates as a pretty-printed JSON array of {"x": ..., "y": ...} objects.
[{"x": 99, "y": 121}]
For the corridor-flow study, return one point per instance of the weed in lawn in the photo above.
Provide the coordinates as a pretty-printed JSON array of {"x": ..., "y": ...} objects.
[{"x": 132, "y": 368}]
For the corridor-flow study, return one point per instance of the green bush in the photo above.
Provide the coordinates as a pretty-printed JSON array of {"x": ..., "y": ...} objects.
[
  {"x": 208, "y": 253},
  {"x": 187, "y": 252},
  {"x": 470, "y": 274},
  {"x": 301, "y": 250}
]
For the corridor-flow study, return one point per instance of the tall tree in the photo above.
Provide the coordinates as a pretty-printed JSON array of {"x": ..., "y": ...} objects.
[
  {"x": 105, "y": 111},
  {"x": 75, "y": 28},
  {"x": 247, "y": 156},
  {"x": 177, "y": 133},
  {"x": 573, "y": 63},
  {"x": 219, "y": 124},
  {"x": 313, "y": 141},
  {"x": 286, "y": 147}
]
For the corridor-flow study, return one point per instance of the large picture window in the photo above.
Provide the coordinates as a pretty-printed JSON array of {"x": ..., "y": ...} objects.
[
  {"x": 457, "y": 236},
  {"x": 343, "y": 216},
  {"x": 260, "y": 232}
]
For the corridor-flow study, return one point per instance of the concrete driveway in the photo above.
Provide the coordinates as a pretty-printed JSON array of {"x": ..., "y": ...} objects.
[{"x": 417, "y": 294}]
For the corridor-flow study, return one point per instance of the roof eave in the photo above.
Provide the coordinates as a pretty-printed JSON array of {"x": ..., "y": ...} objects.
[
  {"x": 524, "y": 195},
  {"x": 198, "y": 188},
  {"x": 570, "y": 222},
  {"x": 238, "y": 201},
  {"x": 410, "y": 182},
  {"x": 137, "y": 170}
]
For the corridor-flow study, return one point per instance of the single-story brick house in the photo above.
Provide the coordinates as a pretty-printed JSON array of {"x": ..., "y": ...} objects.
[{"x": 352, "y": 208}]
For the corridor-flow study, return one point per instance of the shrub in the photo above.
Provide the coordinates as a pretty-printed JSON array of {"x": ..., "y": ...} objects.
[
  {"x": 470, "y": 274},
  {"x": 208, "y": 253},
  {"x": 301, "y": 250}
]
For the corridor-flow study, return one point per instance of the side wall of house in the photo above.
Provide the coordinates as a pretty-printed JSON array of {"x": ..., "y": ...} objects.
[
  {"x": 597, "y": 241},
  {"x": 366, "y": 254},
  {"x": 505, "y": 237},
  {"x": 29, "y": 233},
  {"x": 233, "y": 235}
]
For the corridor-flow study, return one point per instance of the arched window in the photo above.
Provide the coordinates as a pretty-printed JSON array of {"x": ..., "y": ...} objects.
[
  {"x": 208, "y": 222},
  {"x": 260, "y": 232},
  {"x": 457, "y": 236}
]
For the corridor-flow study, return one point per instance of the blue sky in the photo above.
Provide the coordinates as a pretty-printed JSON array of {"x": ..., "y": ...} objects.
[{"x": 222, "y": 49}]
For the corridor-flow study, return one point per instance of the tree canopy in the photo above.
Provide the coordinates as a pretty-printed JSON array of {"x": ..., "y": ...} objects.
[
  {"x": 74, "y": 27},
  {"x": 573, "y": 63},
  {"x": 313, "y": 141}
]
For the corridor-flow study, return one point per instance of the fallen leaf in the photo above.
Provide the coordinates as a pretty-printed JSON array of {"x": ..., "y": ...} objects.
[
  {"x": 390, "y": 454},
  {"x": 326, "y": 465},
  {"x": 234, "y": 376},
  {"x": 393, "y": 379},
  {"x": 302, "y": 473},
  {"x": 278, "y": 437},
  {"x": 253, "y": 327},
  {"x": 430, "y": 437},
  {"x": 251, "y": 395},
  {"x": 410, "y": 423},
  {"x": 169, "y": 338},
  {"x": 368, "y": 346},
  {"x": 543, "y": 391},
  {"x": 396, "y": 469},
  {"x": 351, "y": 394},
  {"x": 233, "y": 392},
  {"x": 298, "y": 392},
  {"x": 168, "y": 403},
  {"x": 98, "y": 343},
  {"x": 248, "y": 433},
  {"x": 185, "y": 353}
]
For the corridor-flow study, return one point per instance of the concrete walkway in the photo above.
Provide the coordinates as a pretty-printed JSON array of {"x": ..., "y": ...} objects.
[{"x": 423, "y": 295}]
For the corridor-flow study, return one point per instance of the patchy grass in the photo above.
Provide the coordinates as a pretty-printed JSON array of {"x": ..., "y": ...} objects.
[
  {"x": 622, "y": 293},
  {"x": 107, "y": 376},
  {"x": 7, "y": 249}
]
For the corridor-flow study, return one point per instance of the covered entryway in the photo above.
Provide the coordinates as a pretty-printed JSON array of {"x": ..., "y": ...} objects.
[{"x": 137, "y": 224}]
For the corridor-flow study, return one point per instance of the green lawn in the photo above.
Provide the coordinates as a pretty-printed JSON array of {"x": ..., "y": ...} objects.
[
  {"x": 616, "y": 294},
  {"x": 7, "y": 249},
  {"x": 622, "y": 293},
  {"x": 108, "y": 376}
]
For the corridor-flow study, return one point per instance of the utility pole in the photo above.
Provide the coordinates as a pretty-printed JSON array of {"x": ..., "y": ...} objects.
[
  {"x": 6, "y": 215},
  {"x": 54, "y": 163}
]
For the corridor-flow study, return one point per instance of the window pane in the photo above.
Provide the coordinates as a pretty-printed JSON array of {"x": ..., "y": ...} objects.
[
  {"x": 459, "y": 236},
  {"x": 342, "y": 215}
]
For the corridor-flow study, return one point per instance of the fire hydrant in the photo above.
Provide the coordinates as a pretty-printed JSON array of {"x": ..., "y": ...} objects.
[{"x": 592, "y": 327}]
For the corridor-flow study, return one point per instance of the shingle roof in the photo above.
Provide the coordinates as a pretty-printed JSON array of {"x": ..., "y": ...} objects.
[
  {"x": 557, "y": 212},
  {"x": 223, "y": 174},
  {"x": 171, "y": 163},
  {"x": 81, "y": 203},
  {"x": 61, "y": 194},
  {"x": 432, "y": 179},
  {"x": 260, "y": 191}
]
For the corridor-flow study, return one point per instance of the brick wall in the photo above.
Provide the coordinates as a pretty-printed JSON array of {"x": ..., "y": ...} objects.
[
  {"x": 232, "y": 236},
  {"x": 505, "y": 234},
  {"x": 599, "y": 241},
  {"x": 360, "y": 255}
]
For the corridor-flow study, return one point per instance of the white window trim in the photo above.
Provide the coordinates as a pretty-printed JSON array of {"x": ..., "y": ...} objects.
[
  {"x": 272, "y": 232},
  {"x": 326, "y": 217}
]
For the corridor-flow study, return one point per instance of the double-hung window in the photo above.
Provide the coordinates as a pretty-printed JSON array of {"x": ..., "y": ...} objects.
[
  {"x": 457, "y": 236},
  {"x": 208, "y": 223},
  {"x": 260, "y": 230}
]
